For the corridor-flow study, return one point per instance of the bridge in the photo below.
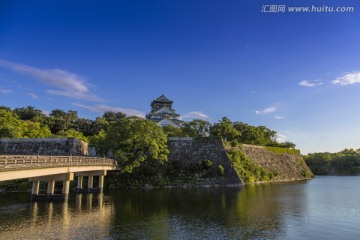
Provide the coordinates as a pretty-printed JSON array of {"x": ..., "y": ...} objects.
[{"x": 56, "y": 168}]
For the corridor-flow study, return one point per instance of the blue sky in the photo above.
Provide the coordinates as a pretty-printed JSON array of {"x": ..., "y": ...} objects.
[{"x": 296, "y": 73}]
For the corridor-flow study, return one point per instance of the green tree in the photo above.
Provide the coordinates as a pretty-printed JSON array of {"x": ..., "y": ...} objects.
[
  {"x": 286, "y": 144},
  {"x": 31, "y": 129},
  {"x": 255, "y": 135},
  {"x": 60, "y": 120},
  {"x": 345, "y": 162},
  {"x": 86, "y": 126},
  {"x": 100, "y": 124},
  {"x": 135, "y": 140},
  {"x": 225, "y": 130},
  {"x": 98, "y": 141},
  {"x": 30, "y": 113},
  {"x": 72, "y": 133},
  {"x": 112, "y": 117},
  {"x": 172, "y": 131},
  {"x": 5, "y": 108},
  {"x": 197, "y": 128},
  {"x": 10, "y": 124}
]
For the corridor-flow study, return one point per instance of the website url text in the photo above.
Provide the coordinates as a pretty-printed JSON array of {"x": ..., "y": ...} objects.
[{"x": 308, "y": 9}]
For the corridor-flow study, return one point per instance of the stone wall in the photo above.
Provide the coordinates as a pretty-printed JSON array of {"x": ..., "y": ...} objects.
[
  {"x": 285, "y": 166},
  {"x": 43, "y": 146},
  {"x": 187, "y": 151}
]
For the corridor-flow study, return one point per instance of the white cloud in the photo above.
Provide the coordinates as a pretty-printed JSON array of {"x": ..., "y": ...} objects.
[
  {"x": 266, "y": 110},
  {"x": 46, "y": 112},
  {"x": 104, "y": 108},
  {"x": 306, "y": 83},
  {"x": 194, "y": 115},
  {"x": 281, "y": 137},
  {"x": 347, "y": 79},
  {"x": 33, "y": 95},
  {"x": 269, "y": 110},
  {"x": 65, "y": 83},
  {"x": 5, "y": 91},
  {"x": 279, "y": 117}
]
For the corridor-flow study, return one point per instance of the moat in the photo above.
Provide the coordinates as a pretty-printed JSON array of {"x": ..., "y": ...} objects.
[{"x": 322, "y": 208}]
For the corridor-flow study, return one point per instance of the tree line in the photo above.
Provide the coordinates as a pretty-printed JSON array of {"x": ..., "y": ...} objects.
[
  {"x": 344, "y": 162},
  {"x": 131, "y": 139}
]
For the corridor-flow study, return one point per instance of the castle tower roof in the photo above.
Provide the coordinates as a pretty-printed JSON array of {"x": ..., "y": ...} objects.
[{"x": 161, "y": 99}]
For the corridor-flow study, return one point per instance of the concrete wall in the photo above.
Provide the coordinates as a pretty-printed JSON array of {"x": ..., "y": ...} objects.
[{"x": 43, "y": 146}]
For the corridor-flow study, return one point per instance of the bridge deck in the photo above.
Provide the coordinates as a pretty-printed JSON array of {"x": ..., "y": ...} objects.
[{"x": 23, "y": 166}]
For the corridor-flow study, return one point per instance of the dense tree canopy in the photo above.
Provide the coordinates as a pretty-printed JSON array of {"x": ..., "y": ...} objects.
[
  {"x": 23, "y": 122},
  {"x": 60, "y": 120},
  {"x": 13, "y": 127},
  {"x": 134, "y": 140},
  {"x": 172, "y": 131},
  {"x": 10, "y": 124},
  {"x": 346, "y": 161},
  {"x": 30, "y": 113},
  {"x": 34, "y": 130},
  {"x": 72, "y": 133},
  {"x": 238, "y": 132},
  {"x": 225, "y": 129},
  {"x": 197, "y": 128}
]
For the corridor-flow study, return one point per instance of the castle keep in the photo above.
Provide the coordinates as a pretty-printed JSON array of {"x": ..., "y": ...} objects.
[{"x": 163, "y": 114}]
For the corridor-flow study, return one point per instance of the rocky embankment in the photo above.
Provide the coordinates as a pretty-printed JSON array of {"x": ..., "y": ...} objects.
[{"x": 286, "y": 166}]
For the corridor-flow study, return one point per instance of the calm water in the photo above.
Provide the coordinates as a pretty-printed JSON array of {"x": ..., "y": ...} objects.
[{"x": 323, "y": 208}]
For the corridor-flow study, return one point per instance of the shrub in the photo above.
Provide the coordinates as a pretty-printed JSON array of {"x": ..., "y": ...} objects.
[
  {"x": 246, "y": 169},
  {"x": 280, "y": 150},
  {"x": 234, "y": 143},
  {"x": 206, "y": 164},
  {"x": 221, "y": 170}
]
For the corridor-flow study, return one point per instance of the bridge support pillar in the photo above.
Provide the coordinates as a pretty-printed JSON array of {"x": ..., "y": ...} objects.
[
  {"x": 50, "y": 179},
  {"x": 65, "y": 190},
  {"x": 50, "y": 189},
  {"x": 90, "y": 181},
  {"x": 80, "y": 182},
  {"x": 35, "y": 190}
]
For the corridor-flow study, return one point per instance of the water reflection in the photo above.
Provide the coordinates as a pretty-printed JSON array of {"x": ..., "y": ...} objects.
[
  {"x": 262, "y": 211},
  {"x": 301, "y": 210},
  {"x": 84, "y": 216},
  {"x": 251, "y": 212},
  {"x": 212, "y": 213}
]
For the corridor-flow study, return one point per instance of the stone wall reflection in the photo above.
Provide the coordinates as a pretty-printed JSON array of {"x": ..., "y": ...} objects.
[{"x": 250, "y": 212}]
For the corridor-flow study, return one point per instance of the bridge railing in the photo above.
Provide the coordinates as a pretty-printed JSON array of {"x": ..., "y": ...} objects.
[{"x": 8, "y": 162}]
